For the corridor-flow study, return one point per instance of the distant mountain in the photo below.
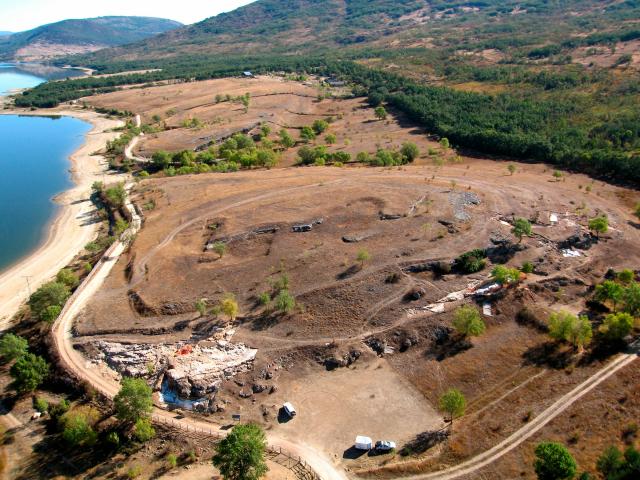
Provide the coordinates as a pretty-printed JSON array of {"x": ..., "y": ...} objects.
[
  {"x": 3, "y": 34},
  {"x": 80, "y": 36},
  {"x": 285, "y": 26}
]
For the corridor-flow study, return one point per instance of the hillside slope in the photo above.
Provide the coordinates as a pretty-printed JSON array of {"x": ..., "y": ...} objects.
[
  {"x": 81, "y": 35},
  {"x": 300, "y": 26}
]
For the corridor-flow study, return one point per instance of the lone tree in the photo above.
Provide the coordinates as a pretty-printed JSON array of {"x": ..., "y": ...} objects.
[
  {"x": 133, "y": 401},
  {"x": 229, "y": 306},
  {"x": 521, "y": 227},
  {"x": 599, "y": 225},
  {"x": 453, "y": 403},
  {"x": 505, "y": 275},
  {"x": 554, "y": 462},
  {"x": 284, "y": 301},
  {"x": 29, "y": 372},
  {"x": 241, "y": 455},
  {"x": 220, "y": 248},
  {"x": 410, "y": 151},
  {"x": 381, "y": 113},
  {"x": 12, "y": 347},
  {"x": 512, "y": 168},
  {"x": 636, "y": 211},
  {"x": 566, "y": 327},
  {"x": 467, "y": 321},
  {"x": 363, "y": 256}
]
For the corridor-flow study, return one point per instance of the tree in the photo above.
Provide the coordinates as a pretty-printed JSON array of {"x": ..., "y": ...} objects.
[
  {"x": 637, "y": 210},
  {"x": 229, "y": 307},
  {"x": 554, "y": 462},
  {"x": 116, "y": 195},
  {"x": 319, "y": 126},
  {"x": 616, "y": 326},
  {"x": 566, "y": 327},
  {"x": 610, "y": 461},
  {"x": 286, "y": 140},
  {"x": 285, "y": 302},
  {"x": 133, "y": 401},
  {"x": 29, "y": 372},
  {"x": 444, "y": 143},
  {"x": 265, "y": 130},
  {"x": 626, "y": 276},
  {"x": 307, "y": 134},
  {"x": 201, "y": 306},
  {"x": 143, "y": 430},
  {"x": 609, "y": 291},
  {"x": 241, "y": 455},
  {"x": 220, "y": 248},
  {"x": 631, "y": 299},
  {"x": 380, "y": 113},
  {"x": 363, "y": 256},
  {"x": 12, "y": 347},
  {"x": 512, "y": 168},
  {"x": 68, "y": 278},
  {"x": 453, "y": 403},
  {"x": 521, "y": 227},
  {"x": 51, "y": 313},
  {"x": 599, "y": 225},
  {"x": 410, "y": 151},
  {"x": 161, "y": 159},
  {"x": 330, "y": 139},
  {"x": 78, "y": 426},
  {"x": 467, "y": 321},
  {"x": 51, "y": 293},
  {"x": 172, "y": 460},
  {"x": 504, "y": 275}
]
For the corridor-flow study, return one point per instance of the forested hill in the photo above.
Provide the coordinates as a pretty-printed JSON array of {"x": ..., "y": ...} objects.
[
  {"x": 82, "y": 35},
  {"x": 300, "y": 26}
]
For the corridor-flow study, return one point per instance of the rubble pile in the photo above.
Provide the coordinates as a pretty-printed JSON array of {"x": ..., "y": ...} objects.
[
  {"x": 460, "y": 201},
  {"x": 189, "y": 370}
]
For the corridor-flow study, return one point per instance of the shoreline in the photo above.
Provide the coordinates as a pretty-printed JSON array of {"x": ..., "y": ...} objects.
[{"x": 66, "y": 234}]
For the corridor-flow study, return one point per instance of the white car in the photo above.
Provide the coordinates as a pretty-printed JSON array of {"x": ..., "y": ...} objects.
[
  {"x": 289, "y": 409},
  {"x": 363, "y": 443},
  {"x": 385, "y": 445}
]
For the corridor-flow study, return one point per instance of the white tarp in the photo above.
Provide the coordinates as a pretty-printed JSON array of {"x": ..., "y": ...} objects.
[
  {"x": 568, "y": 253},
  {"x": 553, "y": 218},
  {"x": 486, "y": 310}
]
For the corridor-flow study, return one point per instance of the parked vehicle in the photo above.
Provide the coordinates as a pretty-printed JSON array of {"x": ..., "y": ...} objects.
[
  {"x": 385, "y": 445},
  {"x": 363, "y": 443},
  {"x": 289, "y": 409}
]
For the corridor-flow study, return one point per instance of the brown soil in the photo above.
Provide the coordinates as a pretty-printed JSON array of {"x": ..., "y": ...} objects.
[{"x": 508, "y": 375}]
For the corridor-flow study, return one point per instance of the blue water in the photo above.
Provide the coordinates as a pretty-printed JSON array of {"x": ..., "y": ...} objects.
[
  {"x": 34, "y": 154},
  {"x": 29, "y": 75}
]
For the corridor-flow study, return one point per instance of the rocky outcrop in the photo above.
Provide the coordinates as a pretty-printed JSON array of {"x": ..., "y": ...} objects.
[{"x": 189, "y": 370}]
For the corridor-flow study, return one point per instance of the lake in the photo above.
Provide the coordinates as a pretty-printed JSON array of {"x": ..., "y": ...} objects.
[
  {"x": 28, "y": 75},
  {"x": 34, "y": 162}
]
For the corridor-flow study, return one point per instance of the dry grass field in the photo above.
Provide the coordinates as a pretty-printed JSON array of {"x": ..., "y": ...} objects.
[{"x": 360, "y": 353}]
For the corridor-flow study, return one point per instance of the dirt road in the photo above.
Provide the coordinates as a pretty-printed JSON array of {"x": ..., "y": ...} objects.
[{"x": 108, "y": 385}]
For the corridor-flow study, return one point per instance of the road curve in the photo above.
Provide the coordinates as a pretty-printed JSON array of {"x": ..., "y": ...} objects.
[{"x": 74, "y": 362}]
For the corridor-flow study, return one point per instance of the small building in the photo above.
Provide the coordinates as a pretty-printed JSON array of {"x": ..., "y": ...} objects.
[{"x": 247, "y": 74}]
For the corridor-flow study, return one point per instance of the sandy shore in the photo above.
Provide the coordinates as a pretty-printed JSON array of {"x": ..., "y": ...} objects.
[{"x": 70, "y": 230}]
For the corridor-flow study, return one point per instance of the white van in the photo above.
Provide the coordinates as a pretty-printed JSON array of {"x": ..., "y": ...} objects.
[
  {"x": 289, "y": 409},
  {"x": 363, "y": 443}
]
